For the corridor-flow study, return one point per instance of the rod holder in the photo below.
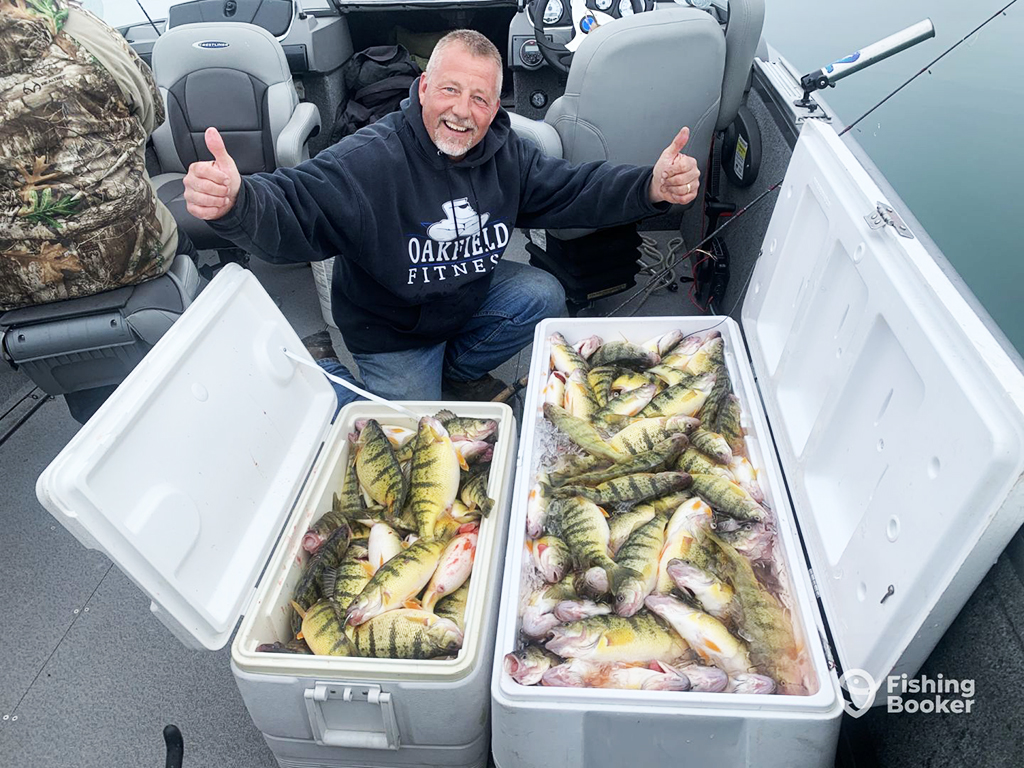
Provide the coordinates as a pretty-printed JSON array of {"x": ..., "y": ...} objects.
[{"x": 832, "y": 73}]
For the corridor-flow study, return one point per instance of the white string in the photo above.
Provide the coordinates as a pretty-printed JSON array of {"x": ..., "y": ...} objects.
[{"x": 350, "y": 386}]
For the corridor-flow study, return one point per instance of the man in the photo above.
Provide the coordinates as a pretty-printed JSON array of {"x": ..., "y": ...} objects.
[
  {"x": 419, "y": 208},
  {"x": 76, "y": 106}
]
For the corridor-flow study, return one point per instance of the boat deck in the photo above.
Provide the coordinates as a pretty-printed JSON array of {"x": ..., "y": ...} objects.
[{"x": 88, "y": 677}]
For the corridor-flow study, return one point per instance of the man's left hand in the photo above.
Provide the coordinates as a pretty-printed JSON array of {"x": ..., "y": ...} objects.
[{"x": 676, "y": 178}]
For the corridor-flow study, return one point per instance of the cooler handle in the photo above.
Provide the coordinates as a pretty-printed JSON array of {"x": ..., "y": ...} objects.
[{"x": 356, "y": 694}]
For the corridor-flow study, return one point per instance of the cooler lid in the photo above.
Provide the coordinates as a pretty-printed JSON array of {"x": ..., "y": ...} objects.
[
  {"x": 186, "y": 475},
  {"x": 898, "y": 417}
]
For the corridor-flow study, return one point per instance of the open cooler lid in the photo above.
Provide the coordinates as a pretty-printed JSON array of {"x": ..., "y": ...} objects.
[
  {"x": 185, "y": 477},
  {"x": 898, "y": 418}
]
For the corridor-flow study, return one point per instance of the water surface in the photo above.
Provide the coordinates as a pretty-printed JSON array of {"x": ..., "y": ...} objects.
[{"x": 951, "y": 142}]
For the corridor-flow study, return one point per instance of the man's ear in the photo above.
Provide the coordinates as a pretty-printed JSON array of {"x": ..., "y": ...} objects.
[{"x": 423, "y": 85}]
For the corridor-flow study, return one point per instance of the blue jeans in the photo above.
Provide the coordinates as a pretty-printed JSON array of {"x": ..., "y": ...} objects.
[{"x": 520, "y": 297}]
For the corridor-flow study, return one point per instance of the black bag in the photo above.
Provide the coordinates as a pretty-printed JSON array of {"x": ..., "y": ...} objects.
[{"x": 376, "y": 81}]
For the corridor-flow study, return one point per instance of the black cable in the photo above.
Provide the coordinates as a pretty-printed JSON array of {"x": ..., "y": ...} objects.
[
  {"x": 928, "y": 66},
  {"x": 702, "y": 243},
  {"x": 24, "y": 417},
  {"x": 155, "y": 29}
]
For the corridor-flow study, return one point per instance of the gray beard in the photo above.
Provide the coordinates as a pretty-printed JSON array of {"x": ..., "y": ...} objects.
[{"x": 450, "y": 147}]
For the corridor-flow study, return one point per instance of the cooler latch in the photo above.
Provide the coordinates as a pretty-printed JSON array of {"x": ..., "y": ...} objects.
[
  {"x": 354, "y": 715},
  {"x": 885, "y": 215}
]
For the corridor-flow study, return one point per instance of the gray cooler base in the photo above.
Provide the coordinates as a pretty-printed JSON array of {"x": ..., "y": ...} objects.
[{"x": 295, "y": 753}]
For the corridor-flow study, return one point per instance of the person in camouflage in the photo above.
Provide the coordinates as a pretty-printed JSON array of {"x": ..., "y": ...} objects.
[{"x": 77, "y": 213}]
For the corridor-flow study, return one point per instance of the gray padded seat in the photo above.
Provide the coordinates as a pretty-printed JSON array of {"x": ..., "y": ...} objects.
[
  {"x": 634, "y": 83},
  {"x": 235, "y": 78},
  {"x": 95, "y": 341}
]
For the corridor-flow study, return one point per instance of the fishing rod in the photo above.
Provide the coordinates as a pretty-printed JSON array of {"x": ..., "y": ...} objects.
[
  {"x": 825, "y": 77},
  {"x": 141, "y": 8},
  {"x": 929, "y": 65}
]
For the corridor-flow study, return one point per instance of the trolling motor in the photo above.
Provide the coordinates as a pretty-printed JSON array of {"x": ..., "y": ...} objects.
[{"x": 855, "y": 62}]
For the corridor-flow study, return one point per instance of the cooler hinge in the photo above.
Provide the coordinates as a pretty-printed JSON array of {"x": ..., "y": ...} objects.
[
  {"x": 814, "y": 583},
  {"x": 827, "y": 648},
  {"x": 251, "y": 601},
  {"x": 885, "y": 215}
]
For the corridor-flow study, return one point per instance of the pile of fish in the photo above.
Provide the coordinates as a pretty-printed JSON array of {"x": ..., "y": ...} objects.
[
  {"x": 389, "y": 565},
  {"x": 650, "y": 551}
]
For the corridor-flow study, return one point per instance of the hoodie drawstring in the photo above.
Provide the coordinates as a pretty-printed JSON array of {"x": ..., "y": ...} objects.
[
  {"x": 476, "y": 204},
  {"x": 451, "y": 196}
]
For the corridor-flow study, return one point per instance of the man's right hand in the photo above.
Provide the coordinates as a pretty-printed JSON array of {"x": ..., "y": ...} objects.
[{"x": 212, "y": 186}]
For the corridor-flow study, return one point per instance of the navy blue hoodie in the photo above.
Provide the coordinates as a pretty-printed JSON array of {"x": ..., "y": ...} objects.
[{"x": 417, "y": 236}]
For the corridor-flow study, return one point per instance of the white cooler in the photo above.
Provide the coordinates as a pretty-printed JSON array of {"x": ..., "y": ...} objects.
[
  {"x": 198, "y": 479},
  {"x": 898, "y": 429}
]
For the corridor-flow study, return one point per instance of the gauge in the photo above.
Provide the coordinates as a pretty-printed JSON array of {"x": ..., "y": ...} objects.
[
  {"x": 552, "y": 11},
  {"x": 625, "y": 8},
  {"x": 530, "y": 54},
  {"x": 604, "y": 5}
]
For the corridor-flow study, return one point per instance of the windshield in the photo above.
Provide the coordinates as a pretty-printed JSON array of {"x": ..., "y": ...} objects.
[{"x": 123, "y": 13}]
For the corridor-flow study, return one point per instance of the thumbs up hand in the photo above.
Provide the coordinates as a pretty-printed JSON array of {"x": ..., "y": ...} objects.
[
  {"x": 676, "y": 177},
  {"x": 211, "y": 186}
]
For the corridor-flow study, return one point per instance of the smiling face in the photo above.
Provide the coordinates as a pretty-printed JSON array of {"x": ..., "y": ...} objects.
[{"x": 459, "y": 99}]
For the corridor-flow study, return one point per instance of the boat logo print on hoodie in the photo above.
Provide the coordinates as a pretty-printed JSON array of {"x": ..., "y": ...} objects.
[{"x": 458, "y": 245}]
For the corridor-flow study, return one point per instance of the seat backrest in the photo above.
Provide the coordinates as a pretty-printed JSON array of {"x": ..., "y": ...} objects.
[
  {"x": 231, "y": 76},
  {"x": 742, "y": 35},
  {"x": 635, "y": 82}
]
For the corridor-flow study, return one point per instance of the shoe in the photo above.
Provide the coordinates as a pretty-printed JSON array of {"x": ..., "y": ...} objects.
[
  {"x": 481, "y": 390},
  {"x": 319, "y": 346}
]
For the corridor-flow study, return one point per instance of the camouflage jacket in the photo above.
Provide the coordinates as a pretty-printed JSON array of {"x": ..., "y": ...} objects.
[{"x": 77, "y": 213}]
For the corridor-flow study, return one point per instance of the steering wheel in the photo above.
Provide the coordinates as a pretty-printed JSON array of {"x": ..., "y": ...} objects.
[{"x": 586, "y": 17}]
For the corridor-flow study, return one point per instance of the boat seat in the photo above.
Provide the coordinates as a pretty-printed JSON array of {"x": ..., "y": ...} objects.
[
  {"x": 634, "y": 83},
  {"x": 95, "y": 341},
  {"x": 233, "y": 77}
]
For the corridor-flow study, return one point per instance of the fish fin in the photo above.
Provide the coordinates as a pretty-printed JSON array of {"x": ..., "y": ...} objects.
[
  {"x": 462, "y": 462},
  {"x": 604, "y": 512},
  {"x": 300, "y": 636},
  {"x": 487, "y": 506},
  {"x": 444, "y": 415},
  {"x": 413, "y": 603},
  {"x": 615, "y": 419},
  {"x": 617, "y": 636},
  {"x": 299, "y": 609},
  {"x": 367, "y": 567},
  {"x": 330, "y": 582}
]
